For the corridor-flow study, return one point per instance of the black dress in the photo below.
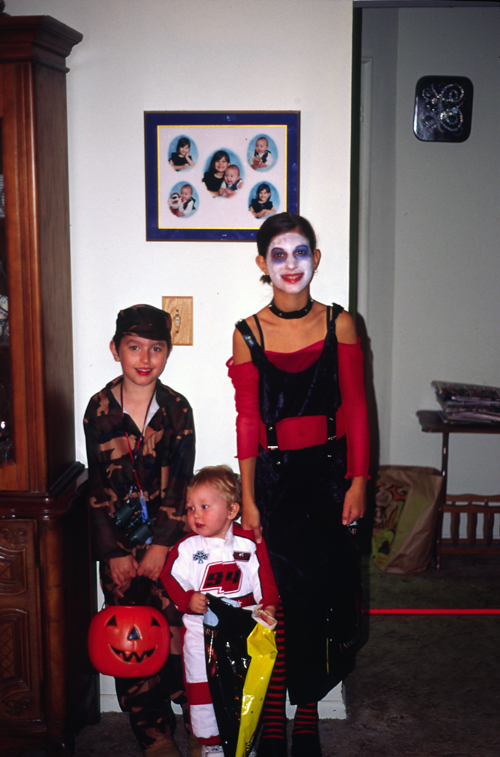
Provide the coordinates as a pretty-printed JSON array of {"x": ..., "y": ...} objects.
[
  {"x": 257, "y": 206},
  {"x": 300, "y": 495},
  {"x": 179, "y": 160},
  {"x": 213, "y": 183}
]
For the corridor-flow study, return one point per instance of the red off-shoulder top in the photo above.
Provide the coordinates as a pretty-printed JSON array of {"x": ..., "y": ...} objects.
[{"x": 296, "y": 433}]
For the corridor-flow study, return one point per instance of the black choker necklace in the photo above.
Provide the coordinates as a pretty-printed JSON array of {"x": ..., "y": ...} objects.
[{"x": 288, "y": 314}]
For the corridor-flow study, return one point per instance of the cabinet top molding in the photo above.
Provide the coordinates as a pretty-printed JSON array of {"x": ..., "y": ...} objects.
[{"x": 40, "y": 39}]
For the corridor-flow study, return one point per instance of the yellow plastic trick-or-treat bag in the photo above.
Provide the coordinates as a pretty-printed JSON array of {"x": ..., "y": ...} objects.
[{"x": 261, "y": 646}]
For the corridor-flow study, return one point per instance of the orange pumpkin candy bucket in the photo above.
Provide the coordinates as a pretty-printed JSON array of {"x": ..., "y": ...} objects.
[{"x": 128, "y": 641}]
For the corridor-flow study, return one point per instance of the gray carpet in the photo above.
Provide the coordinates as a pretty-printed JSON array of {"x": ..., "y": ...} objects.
[{"x": 424, "y": 686}]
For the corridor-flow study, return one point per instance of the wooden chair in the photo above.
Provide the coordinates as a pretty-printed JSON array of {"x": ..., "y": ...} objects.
[{"x": 478, "y": 540}]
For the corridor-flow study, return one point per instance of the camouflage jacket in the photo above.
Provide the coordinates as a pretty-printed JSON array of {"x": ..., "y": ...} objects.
[{"x": 164, "y": 466}]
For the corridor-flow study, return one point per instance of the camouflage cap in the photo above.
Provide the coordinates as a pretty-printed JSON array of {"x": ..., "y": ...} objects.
[{"x": 144, "y": 320}]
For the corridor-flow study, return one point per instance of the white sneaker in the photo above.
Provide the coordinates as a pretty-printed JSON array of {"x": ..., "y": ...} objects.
[{"x": 212, "y": 750}]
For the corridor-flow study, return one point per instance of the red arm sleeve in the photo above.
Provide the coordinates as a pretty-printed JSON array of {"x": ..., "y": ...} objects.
[
  {"x": 181, "y": 597},
  {"x": 245, "y": 378},
  {"x": 354, "y": 410}
]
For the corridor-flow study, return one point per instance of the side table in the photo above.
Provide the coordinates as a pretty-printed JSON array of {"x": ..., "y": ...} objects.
[{"x": 469, "y": 505}]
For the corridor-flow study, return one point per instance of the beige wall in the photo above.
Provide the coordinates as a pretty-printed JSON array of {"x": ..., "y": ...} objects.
[{"x": 212, "y": 55}]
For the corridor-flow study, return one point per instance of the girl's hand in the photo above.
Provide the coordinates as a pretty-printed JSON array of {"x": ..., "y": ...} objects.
[
  {"x": 354, "y": 501},
  {"x": 153, "y": 561},
  {"x": 250, "y": 516},
  {"x": 250, "y": 520},
  {"x": 123, "y": 569},
  {"x": 198, "y": 603}
]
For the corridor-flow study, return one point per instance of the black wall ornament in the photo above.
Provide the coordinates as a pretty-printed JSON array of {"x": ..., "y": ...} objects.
[{"x": 443, "y": 108}]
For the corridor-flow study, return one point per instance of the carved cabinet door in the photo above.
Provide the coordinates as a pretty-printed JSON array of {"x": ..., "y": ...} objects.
[{"x": 20, "y": 653}]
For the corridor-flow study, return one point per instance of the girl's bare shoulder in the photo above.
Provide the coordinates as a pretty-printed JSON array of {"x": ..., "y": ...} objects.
[
  {"x": 345, "y": 328},
  {"x": 241, "y": 352}
]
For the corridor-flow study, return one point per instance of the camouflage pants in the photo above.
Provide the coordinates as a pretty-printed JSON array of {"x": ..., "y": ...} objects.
[{"x": 148, "y": 700}]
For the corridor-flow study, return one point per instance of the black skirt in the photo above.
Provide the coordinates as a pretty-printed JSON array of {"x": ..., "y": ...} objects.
[{"x": 300, "y": 495}]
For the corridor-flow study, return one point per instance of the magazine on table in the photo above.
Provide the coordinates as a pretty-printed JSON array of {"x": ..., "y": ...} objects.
[{"x": 468, "y": 403}]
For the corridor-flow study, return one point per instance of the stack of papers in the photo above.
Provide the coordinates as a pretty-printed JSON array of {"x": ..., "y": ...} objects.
[{"x": 468, "y": 403}]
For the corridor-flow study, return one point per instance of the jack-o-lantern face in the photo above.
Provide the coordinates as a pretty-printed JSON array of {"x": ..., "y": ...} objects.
[{"x": 129, "y": 642}]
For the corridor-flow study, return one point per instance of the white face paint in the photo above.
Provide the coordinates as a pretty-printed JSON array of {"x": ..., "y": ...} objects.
[{"x": 290, "y": 262}]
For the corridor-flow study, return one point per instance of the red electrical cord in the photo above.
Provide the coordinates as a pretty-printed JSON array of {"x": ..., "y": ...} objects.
[{"x": 422, "y": 611}]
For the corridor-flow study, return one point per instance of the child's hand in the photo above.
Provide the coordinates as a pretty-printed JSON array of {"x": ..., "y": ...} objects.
[
  {"x": 268, "y": 614},
  {"x": 198, "y": 603},
  {"x": 153, "y": 561},
  {"x": 123, "y": 569},
  {"x": 265, "y": 615}
]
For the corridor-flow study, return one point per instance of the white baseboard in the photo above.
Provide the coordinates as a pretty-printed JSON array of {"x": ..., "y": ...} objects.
[{"x": 332, "y": 706}]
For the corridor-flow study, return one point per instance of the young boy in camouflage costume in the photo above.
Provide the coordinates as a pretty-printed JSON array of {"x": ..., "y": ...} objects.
[{"x": 140, "y": 448}]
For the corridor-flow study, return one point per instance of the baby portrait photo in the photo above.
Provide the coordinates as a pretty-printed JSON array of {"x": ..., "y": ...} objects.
[{"x": 263, "y": 153}]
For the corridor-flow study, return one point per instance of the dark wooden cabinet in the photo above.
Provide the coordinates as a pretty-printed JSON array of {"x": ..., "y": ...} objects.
[{"x": 47, "y": 685}]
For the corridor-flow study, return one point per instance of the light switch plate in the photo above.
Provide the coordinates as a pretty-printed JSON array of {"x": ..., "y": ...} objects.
[{"x": 181, "y": 312}]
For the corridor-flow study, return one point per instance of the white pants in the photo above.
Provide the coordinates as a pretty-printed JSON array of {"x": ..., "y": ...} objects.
[{"x": 201, "y": 709}]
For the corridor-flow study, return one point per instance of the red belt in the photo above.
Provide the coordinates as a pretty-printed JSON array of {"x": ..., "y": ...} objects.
[{"x": 297, "y": 433}]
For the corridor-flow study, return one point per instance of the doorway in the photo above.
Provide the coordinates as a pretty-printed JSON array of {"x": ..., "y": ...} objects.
[{"x": 428, "y": 226}]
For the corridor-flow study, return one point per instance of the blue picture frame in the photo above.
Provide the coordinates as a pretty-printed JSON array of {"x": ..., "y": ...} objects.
[{"x": 203, "y": 170}]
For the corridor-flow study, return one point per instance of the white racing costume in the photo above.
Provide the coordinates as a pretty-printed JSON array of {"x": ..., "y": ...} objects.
[{"x": 234, "y": 567}]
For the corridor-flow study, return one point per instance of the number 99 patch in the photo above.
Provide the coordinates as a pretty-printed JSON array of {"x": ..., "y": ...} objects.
[{"x": 223, "y": 578}]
